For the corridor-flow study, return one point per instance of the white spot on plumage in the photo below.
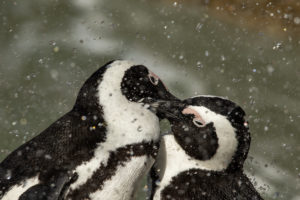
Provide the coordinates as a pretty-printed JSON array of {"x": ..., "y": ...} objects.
[{"x": 118, "y": 114}]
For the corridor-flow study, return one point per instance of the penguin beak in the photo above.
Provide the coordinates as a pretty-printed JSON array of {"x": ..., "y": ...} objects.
[
  {"x": 163, "y": 108},
  {"x": 168, "y": 109},
  {"x": 165, "y": 105}
]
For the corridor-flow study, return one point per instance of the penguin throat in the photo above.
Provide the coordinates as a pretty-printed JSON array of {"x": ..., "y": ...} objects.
[{"x": 127, "y": 122}]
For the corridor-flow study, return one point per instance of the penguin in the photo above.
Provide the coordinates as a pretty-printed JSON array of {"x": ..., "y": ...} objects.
[
  {"x": 99, "y": 149},
  {"x": 203, "y": 157}
]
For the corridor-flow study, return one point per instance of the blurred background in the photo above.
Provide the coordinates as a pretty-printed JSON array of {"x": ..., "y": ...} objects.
[{"x": 248, "y": 51}]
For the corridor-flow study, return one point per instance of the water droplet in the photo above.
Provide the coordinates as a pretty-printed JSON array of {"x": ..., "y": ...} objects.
[
  {"x": 54, "y": 74},
  {"x": 198, "y": 27},
  {"x": 139, "y": 129},
  {"x": 223, "y": 58},
  {"x": 250, "y": 61},
  {"x": 8, "y": 174},
  {"x": 277, "y": 46},
  {"x": 23, "y": 121},
  {"x": 239, "y": 183},
  {"x": 48, "y": 157},
  {"x": 270, "y": 69},
  {"x": 199, "y": 65},
  {"x": 53, "y": 43},
  {"x": 206, "y": 53},
  {"x": 185, "y": 128},
  {"x": 187, "y": 140},
  {"x": 145, "y": 188},
  {"x": 297, "y": 20},
  {"x": 56, "y": 49},
  {"x": 157, "y": 182}
]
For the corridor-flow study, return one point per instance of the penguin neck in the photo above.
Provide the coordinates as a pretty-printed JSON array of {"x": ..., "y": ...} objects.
[
  {"x": 127, "y": 122},
  {"x": 173, "y": 160},
  {"x": 171, "y": 148}
]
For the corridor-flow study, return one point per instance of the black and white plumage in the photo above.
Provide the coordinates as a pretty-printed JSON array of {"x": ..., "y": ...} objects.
[
  {"x": 203, "y": 158},
  {"x": 99, "y": 149}
]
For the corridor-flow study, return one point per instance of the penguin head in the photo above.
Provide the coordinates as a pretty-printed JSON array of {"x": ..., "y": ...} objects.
[
  {"x": 141, "y": 85},
  {"x": 136, "y": 83},
  {"x": 212, "y": 129}
]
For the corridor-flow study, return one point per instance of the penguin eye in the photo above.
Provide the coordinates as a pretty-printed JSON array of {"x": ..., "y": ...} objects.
[
  {"x": 153, "y": 79},
  {"x": 198, "y": 122}
]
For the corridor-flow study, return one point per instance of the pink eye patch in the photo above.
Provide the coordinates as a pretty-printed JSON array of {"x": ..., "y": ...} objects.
[
  {"x": 189, "y": 110},
  {"x": 157, "y": 77}
]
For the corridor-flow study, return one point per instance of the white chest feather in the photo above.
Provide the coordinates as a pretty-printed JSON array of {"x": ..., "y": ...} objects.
[
  {"x": 16, "y": 191},
  {"x": 127, "y": 122}
]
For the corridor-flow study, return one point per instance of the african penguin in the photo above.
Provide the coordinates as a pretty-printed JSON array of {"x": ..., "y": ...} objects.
[
  {"x": 203, "y": 158},
  {"x": 100, "y": 148}
]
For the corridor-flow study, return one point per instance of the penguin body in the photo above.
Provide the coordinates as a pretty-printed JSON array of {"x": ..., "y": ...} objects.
[
  {"x": 203, "y": 157},
  {"x": 99, "y": 149}
]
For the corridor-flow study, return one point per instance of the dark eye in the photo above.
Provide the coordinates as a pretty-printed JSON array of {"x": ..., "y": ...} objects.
[
  {"x": 198, "y": 122},
  {"x": 153, "y": 79}
]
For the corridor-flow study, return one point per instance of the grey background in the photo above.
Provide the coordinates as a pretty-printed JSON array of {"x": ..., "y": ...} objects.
[{"x": 48, "y": 48}]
